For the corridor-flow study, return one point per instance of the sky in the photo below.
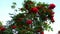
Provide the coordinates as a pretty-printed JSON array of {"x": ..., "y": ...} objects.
[{"x": 5, "y": 8}]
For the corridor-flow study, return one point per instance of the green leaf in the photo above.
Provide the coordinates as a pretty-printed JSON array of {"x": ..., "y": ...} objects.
[
  {"x": 0, "y": 23},
  {"x": 14, "y": 3},
  {"x": 13, "y": 7},
  {"x": 8, "y": 31},
  {"x": 11, "y": 14},
  {"x": 16, "y": 10},
  {"x": 51, "y": 29},
  {"x": 38, "y": 4}
]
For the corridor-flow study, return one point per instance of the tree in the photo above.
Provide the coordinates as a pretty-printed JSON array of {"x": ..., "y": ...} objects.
[{"x": 34, "y": 19}]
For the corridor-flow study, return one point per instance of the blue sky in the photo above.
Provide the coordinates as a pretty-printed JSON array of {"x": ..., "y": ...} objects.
[{"x": 5, "y": 8}]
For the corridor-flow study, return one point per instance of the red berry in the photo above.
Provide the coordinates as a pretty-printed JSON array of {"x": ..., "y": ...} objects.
[
  {"x": 2, "y": 29},
  {"x": 52, "y": 13},
  {"x": 38, "y": 7},
  {"x": 51, "y": 6},
  {"x": 58, "y": 31},
  {"x": 13, "y": 27},
  {"x": 34, "y": 10},
  {"x": 52, "y": 19},
  {"x": 29, "y": 21},
  {"x": 42, "y": 32},
  {"x": 21, "y": 8},
  {"x": 38, "y": 30},
  {"x": 26, "y": 6}
]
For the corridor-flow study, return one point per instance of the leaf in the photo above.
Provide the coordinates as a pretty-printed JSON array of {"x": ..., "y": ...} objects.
[
  {"x": 14, "y": 3},
  {"x": 0, "y": 23},
  {"x": 11, "y": 14},
  {"x": 51, "y": 29},
  {"x": 13, "y": 7},
  {"x": 16, "y": 10}
]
